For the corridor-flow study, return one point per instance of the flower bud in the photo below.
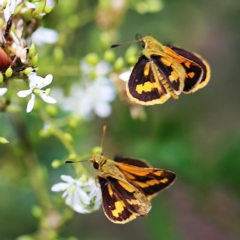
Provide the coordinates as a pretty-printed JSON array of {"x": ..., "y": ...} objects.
[
  {"x": 68, "y": 137},
  {"x": 18, "y": 8},
  {"x": 92, "y": 58},
  {"x": 3, "y": 140},
  {"x": 51, "y": 110},
  {"x": 27, "y": 70},
  {"x": 109, "y": 56},
  {"x": 37, "y": 211},
  {"x": 72, "y": 157},
  {"x": 73, "y": 121},
  {"x": 34, "y": 60},
  {"x": 47, "y": 9},
  {"x": 1, "y": 22},
  {"x": 56, "y": 163},
  {"x": 39, "y": 7},
  {"x": 1, "y": 78},
  {"x": 5, "y": 2},
  {"x": 119, "y": 63},
  {"x": 9, "y": 72},
  {"x": 96, "y": 150},
  {"x": 32, "y": 49}
]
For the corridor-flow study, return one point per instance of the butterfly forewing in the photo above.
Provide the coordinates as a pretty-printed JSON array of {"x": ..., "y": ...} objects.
[
  {"x": 149, "y": 180},
  {"x": 197, "y": 70},
  {"x": 132, "y": 161}
]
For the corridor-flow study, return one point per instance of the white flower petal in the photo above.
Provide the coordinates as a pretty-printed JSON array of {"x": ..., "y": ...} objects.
[
  {"x": 85, "y": 67},
  {"x": 40, "y": 82},
  {"x": 82, "y": 195},
  {"x": 31, "y": 103},
  {"x": 47, "y": 80},
  {"x": 47, "y": 99},
  {"x": 3, "y": 91},
  {"x": 67, "y": 105},
  {"x": 107, "y": 93},
  {"x": 24, "y": 93},
  {"x": 59, "y": 187},
  {"x": 67, "y": 192},
  {"x": 103, "y": 109},
  {"x": 67, "y": 178},
  {"x": 125, "y": 76},
  {"x": 32, "y": 80},
  {"x": 50, "y": 3},
  {"x": 103, "y": 68},
  {"x": 57, "y": 93},
  {"x": 44, "y": 35}
]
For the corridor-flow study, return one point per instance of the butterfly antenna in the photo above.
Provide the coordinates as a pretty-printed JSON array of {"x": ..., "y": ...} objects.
[
  {"x": 84, "y": 160},
  {"x": 120, "y": 44},
  {"x": 103, "y": 136}
]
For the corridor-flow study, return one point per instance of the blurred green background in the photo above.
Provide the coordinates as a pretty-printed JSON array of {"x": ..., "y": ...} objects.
[{"x": 197, "y": 136}]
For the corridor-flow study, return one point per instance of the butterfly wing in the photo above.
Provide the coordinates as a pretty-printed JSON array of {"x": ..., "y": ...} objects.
[
  {"x": 172, "y": 72},
  {"x": 143, "y": 86},
  {"x": 197, "y": 69},
  {"x": 132, "y": 161},
  {"x": 121, "y": 201},
  {"x": 149, "y": 180}
]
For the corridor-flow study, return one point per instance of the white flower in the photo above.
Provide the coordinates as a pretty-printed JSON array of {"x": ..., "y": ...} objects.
[
  {"x": 82, "y": 195},
  {"x": 50, "y": 3},
  {"x": 101, "y": 69},
  {"x": 10, "y": 8},
  {"x": 95, "y": 97},
  {"x": 44, "y": 36},
  {"x": 35, "y": 85},
  {"x": 3, "y": 91},
  {"x": 125, "y": 76}
]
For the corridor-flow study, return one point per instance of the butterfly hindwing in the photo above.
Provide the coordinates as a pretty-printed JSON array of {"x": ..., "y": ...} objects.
[
  {"x": 122, "y": 202},
  {"x": 172, "y": 72},
  {"x": 113, "y": 207}
]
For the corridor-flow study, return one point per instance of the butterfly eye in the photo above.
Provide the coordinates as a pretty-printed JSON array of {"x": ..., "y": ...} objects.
[
  {"x": 143, "y": 44},
  {"x": 95, "y": 165}
]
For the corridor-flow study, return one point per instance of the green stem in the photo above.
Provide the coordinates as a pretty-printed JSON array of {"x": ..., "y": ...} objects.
[
  {"x": 60, "y": 135},
  {"x": 31, "y": 162}
]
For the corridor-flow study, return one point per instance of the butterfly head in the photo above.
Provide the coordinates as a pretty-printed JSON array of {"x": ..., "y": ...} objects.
[
  {"x": 149, "y": 43},
  {"x": 97, "y": 160}
]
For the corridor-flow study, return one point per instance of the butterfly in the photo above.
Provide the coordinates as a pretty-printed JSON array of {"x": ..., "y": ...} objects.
[
  {"x": 128, "y": 185},
  {"x": 164, "y": 72}
]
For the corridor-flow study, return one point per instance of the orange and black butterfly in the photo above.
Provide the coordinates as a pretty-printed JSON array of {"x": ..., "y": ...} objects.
[
  {"x": 164, "y": 72},
  {"x": 128, "y": 185}
]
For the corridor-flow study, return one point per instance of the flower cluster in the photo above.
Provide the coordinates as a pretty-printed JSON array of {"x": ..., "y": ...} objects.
[
  {"x": 82, "y": 195},
  {"x": 17, "y": 55},
  {"x": 36, "y": 84},
  {"x": 15, "y": 32},
  {"x": 93, "y": 95}
]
